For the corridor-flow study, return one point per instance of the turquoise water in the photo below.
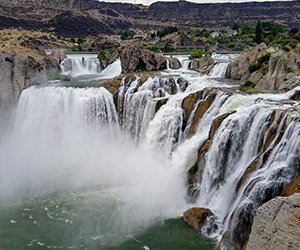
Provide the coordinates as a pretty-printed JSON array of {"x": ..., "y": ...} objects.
[{"x": 90, "y": 219}]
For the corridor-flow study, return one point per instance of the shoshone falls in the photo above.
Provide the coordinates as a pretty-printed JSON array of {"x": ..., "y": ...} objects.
[{"x": 115, "y": 167}]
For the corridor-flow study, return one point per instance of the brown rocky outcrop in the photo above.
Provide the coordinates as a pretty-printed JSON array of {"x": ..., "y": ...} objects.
[
  {"x": 203, "y": 106},
  {"x": 292, "y": 187},
  {"x": 276, "y": 225},
  {"x": 134, "y": 59},
  {"x": 196, "y": 216},
  {"x": 203, "y": 65}
]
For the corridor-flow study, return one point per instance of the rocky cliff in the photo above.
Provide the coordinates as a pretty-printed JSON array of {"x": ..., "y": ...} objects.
[
  {"x": 207, "y": 15},
  {"x": 267, "y": 68},
  {"x": 17, "y": 71},
  {"x": 39, "y": 5}
]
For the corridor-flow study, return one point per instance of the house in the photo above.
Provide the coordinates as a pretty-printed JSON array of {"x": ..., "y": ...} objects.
[
  {"x": 232, "y": 32},
  {"x": 140, "y": 35},
  {"x": 215, "y": 34}
]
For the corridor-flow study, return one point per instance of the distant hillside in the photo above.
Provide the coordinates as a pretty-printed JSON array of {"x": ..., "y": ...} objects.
[
  {"x": 87, "y": 17},
  {"x": 208, "y": 15}
]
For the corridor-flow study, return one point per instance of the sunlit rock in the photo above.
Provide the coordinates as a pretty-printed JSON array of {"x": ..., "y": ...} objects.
[{"x": 195, "y": 217}]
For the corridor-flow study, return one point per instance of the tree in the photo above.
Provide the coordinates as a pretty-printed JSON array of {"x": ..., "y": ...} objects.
[
  {"x": 258, "y": 33},
  {"x": 235, "y": 26},
  {"x": 247, "y": 29}
]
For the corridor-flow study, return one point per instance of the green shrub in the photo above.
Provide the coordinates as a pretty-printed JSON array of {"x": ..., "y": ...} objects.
[
  {"x": 167, "y": 31},
  {"x": 263, "y": 59},
  {"x": 211, "y": 41},
  {"x": 248, "y": 83},
  {"x": 168, "y": 48},
  {"x": 196, "y": 54},
  {"x": 254, "y": 67},
  {"x": 127, "y": 34},
  {"x": 230, "y": 45},
  {"x": 80, "y": 40},
  {"x": 286, "y": 49},
  {"x": 101, "y": 55},
  {"x": 155, "y": 48},
  {"x": 247, "y": 86}
]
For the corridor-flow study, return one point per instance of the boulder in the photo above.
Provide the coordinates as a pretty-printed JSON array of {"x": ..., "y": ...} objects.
[
  {"x": 134, "y": 59},
  {"x": 174, "y": 63},
  {"x": 183, "y": 83},
  {"x": 203, "y": 65},
  {"x": 196, "y": 216},
  {"x": 276, "y": 225}
]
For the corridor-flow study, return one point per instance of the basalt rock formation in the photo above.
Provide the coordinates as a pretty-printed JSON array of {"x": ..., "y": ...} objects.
[
  {"x": 207, "y": 15},
  {"x": 276, "y": 225},
  {"x": 279, "y": 72},
  {"x": 94, "y": 17},
  {"x": 134, "y": 59},
  {"x": 203, "y": 65}
]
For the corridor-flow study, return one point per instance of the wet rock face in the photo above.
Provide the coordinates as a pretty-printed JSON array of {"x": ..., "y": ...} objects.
[
  {"x": 134, "y": 59},
  {"x": 203, "y": 65},
  {"x": 277, "y": 225},
  {"x": 196, "y": 216},
  {"x": 174, "y": 63}
]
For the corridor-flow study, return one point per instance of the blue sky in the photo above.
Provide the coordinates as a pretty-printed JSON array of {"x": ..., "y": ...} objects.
[{"x": 147, "y": 2}]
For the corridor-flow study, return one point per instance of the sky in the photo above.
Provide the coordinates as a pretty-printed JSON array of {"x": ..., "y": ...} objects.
[{"x": 148, "y": 2}]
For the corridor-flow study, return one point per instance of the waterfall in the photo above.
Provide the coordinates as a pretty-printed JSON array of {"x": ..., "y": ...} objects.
[
  {"x": 222, "y": 62},
  {"x": 70, "y": 140},
  {"x": 234, "y": 177},
  {"x": 80, "y": 65},
  {"x": 134, "y": 148},
  {"x": 219, "y": 70}
]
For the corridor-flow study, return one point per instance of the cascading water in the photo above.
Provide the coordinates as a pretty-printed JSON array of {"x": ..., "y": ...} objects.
[
  {"x": 219, "y": 70},
  {"x": 222, "y": 62},
  {"x": 84, "y": 168},
  {"x": 77, "y": 65}
]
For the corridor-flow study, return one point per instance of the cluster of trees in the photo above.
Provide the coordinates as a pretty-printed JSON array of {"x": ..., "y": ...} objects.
[
  {"x": 79, "y": 44},
  {"x": 127, "y": 34},
  {"x": 253, "y": 34},
  {"x": 167, "y": 31}
]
